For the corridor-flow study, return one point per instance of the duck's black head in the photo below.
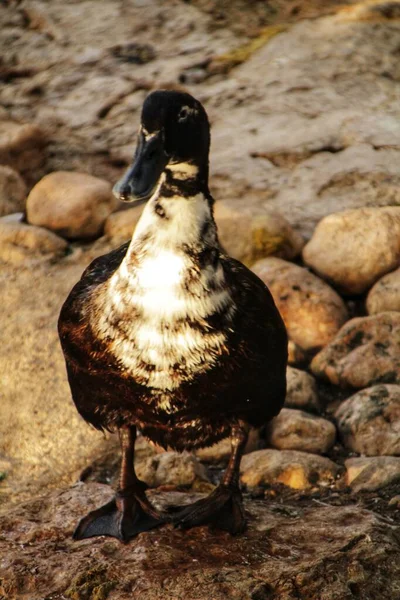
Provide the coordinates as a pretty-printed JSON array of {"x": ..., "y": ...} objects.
[{"x": 174, "y": 138}]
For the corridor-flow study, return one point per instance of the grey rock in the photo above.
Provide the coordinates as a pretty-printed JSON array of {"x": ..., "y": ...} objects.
[
  {"x": 364, "y": 352},
  {"x": 301, "y": 390},
  {"x": 369, "y": 421},
  {"x": 297, "y": 430},
  {"x": 372, "y": 473}
]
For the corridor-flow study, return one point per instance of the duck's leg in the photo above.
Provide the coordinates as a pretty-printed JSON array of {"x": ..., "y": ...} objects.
[
  {"x": 223, "y": 508},
  {"x": 129, "y": 512}
]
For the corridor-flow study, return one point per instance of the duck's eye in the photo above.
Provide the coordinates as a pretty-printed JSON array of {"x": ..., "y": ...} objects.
[{"x": 183, "y": 114}]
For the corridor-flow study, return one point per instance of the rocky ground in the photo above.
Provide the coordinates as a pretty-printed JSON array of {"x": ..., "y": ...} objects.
[{"x": 303, "y": 98}]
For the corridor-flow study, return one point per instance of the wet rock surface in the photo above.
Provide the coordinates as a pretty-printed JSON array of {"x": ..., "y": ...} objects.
[
  {"x": 301, "y": 552},
  {"x": 353, "y": 249},
  {"x": 297, "y": 430},
  {"x": 365, "y": 351},
  {"x": 74, "y": 205},
  {"x": 298, "y": 470},
  {"x": 313, "y": 312},
  {"x": 385, "y": 294},
  {"x": 369, "y": 421}
]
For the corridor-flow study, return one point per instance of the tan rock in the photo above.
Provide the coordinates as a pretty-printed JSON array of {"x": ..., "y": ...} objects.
[
  {"x": 312, "y": 311},
  {"x": 369, "y": 421},
  {"x": 296, "y": 356},
  {"x": 171, "y": 468},
  {"x": 298, "y": 470},
  {"x": 385, "y": 294},
  {"x": 21, "y": 243},
  {"x": 75, "y": 205},
  {"x": 219, "y": 453},
  {"x": 248, "y": 232},
  {"x": 354, "y": 248},
  {"x": 12, "y": 191},
  {"x": 365, "y": 351},
  {"x": 297, "y": 430},
  {"x": 372, "y": 473},
  {"x": 119, "y": 226},
  {"x": 301, "y": 390},
  {"x": 22, "y": 147}
]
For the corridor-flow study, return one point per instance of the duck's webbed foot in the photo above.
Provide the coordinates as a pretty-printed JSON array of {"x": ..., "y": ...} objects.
[
  {"x": 222, "y": 509},
  {"x": 123, "y": 518}
]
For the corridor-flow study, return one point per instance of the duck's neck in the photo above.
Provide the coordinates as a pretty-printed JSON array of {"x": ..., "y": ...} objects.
[{"x": 178, "y": 218}]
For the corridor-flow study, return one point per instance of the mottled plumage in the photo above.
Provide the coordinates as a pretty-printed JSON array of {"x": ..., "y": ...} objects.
[{"x": 167, "y": 333}]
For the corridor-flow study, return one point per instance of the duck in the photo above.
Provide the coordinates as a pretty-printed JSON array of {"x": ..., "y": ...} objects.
[{"x": 169, "y": 335}]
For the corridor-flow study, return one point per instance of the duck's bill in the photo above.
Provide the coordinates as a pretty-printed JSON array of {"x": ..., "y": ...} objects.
[{"x": 141, "y": 179}]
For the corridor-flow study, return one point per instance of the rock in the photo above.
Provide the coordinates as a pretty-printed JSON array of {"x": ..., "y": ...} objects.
[
  {"x": 319, "y": 552},
  {"x": 372, "y": 473},
  {"x": 385, "y": 294},
  {"x": 22, "y": 148},
  {"x": 297, "y": 430},
  {"x": 41, "y": 434},
  {"x": 248, "y": 233},
  {"x": 298, "y": 470},
  {"x": 12, "y": 191},
  {"x": 119, "y": 226},
  {"x": 171, "y": 468},
  {"x": 220, "y": 452},
  {"x": 364, "y": 352},
  {"x": 296, "y": 356},
  {"x": 301, "y": 390},
  {"x": 75, "y": 205},
  {"x": 21, "y": 243},
  {"x": 312, "y": 311},
  {"x": 369, "y": 421},
  {"x": 354, "y": 248}
]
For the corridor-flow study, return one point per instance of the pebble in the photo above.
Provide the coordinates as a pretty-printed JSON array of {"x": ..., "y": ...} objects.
[
  {"x": 354, "y": 248},
  {"x": 369, "y": 421},
  {"x": 298, "y": 470},
  {"x": 313, "y": 312},
  {"x": 365, "y": 351},
  {"x": 74, "y": 205},
  {"x": 297, "y": 430}
]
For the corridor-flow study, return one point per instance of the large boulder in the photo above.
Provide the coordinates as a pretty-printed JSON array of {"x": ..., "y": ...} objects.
[
  {"x": 74, "y": 205},
  {"x": 313, "y": 312},
  {"x": 385, "y": 294},
  {"x": 369, "y": 421},
  {"x": 12, "y": 191},
  {"x": 307, "y": 553},
  {"x": 354, "y": 248},
  {"x": 365, "y": 351}
]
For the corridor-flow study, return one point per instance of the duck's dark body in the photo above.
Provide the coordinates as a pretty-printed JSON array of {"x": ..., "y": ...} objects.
[
  {"x": 240, "y": 386},
  {"x": 167, "y": 333}
]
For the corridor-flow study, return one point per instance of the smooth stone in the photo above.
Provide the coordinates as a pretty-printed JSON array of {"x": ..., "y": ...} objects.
[
  {"x": 119, "y": 226},
  {"x": 220, "y": 452},
  {"x": 248, "y": 232},
  {"x": 369, "y": 421},
  {"x": 354, "y": 248},
  {"x": 298, "y": 470},
  {"x": 297, "y": 430},
  {"x": 12, "y": 191},
  {"x": 23, "y": 244},
  {"x": 366, "y": 351},
  {"x": 301, "y": 390},
  {"x": 74, "y": 205},
  {"x": 372, "y": 473},
  {"x": 385, "y": 294},
  {"x": 313, "y": 312},
  {"x": 171, "y": 468}
]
